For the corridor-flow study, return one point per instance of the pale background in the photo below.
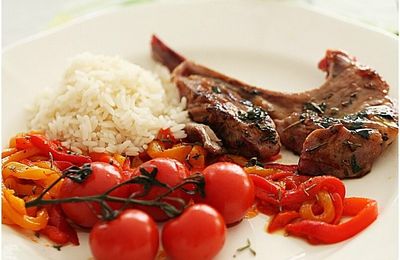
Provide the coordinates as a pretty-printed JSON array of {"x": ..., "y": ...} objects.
[{"x": 22, "y": 18}]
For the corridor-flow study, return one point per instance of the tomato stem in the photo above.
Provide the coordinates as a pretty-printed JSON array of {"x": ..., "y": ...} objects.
[{"x": 147, "y": 179}]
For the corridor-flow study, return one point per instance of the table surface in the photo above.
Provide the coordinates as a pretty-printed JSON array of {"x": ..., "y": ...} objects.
[{"x": 22, "y": 18}]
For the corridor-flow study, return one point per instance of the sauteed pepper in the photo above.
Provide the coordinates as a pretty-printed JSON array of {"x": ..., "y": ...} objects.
[
  {"x": 364, "y": 210},
  {"x": 57, "y": 151}
]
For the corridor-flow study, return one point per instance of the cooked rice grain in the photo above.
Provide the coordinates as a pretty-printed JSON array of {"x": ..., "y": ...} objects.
[{"x": 109, "y": 104}]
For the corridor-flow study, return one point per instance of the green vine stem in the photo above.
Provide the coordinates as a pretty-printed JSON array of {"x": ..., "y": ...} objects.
[{"x": 146, "y": 179}]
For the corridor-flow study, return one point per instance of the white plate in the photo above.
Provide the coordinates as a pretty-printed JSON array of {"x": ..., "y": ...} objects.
[{"x": 271, "y": 45}]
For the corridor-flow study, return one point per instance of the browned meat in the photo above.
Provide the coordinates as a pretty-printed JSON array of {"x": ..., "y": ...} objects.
[
  {"x": 338, "y": 129},
  {"x": 244, "y": 128},
  {"x": 356, "y": 118},
  {"x": 205, "y": 135}
]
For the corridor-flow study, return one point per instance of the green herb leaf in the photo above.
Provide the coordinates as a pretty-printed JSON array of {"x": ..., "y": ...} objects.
[
  {"x": 216, "y": 90},
  {"x": 355, "y": 167}
]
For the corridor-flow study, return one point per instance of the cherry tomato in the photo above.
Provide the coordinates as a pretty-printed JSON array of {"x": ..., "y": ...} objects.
[
  {"x": 103, "y": 177},
  {"x": 132, "y": 235},
  {"x": 229, "y": 190},
  {"x": 199, "y": 233},
  {"x": 170, "y": 172}
]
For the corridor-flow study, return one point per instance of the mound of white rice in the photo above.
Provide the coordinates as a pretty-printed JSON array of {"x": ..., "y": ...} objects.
[{"x": 109, "y": 104}]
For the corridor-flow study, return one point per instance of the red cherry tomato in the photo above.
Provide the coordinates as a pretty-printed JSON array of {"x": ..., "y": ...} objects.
[
  {"x": 229, "y": 190},
  {"x": 132, "y": 235},
  {"x": 103, "y": 177},
  {"x": 169, "y": 171},
  {"x": 199, "y": 233}
]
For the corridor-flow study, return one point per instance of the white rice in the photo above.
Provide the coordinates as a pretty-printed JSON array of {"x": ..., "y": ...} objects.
[{"x": 109, "y": 104}]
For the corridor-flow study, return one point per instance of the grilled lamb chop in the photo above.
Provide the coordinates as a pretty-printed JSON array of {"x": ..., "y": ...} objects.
[
  {"x": 338, "y": 129},
  {"x": 244, "y": 128}
]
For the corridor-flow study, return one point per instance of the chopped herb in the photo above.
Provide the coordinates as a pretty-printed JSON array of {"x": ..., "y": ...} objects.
[
  {"x": 365, "y": 132},
  {"x": 196, "y": 156},
  {"x": 316, "y": 147},
  {"x": 247, "y": 246},
  {"x": 355, "y": 167},
  {"x": 254, "y": 162},
  {"x": 12, "y": 168},
  {"x": 216, "y": 90},
  {"x": 293, "y": 124},
  {"x": 320, "y": 109},
  {"x": 351, "y": 145},
  {"x": 353, "y": 125},
  {"x": 253, "y": 114},
  {"x": 51, "y": 160},
  {"x": 309, "y": 188},
  {"x": 58, "y": 247}
]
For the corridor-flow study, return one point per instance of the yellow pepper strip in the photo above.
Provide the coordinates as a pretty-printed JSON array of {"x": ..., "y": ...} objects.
[
  {"x": 20, "y": 189},
  {"x": 260, "y": 171},
  {"x": 22, "y": 171},
  {"x": 119, "y": 158},
  {"x": 13, "y": 209},
  {"x": 24, "y": 221},
  {"x": 8, "y": 151},
  {"x": 197, "y": 157},
  {"x": 325, "y": 200},
  {"x": 42, "y": 164},
  {"x": 16, "y": 203},
  {"x": 178, "y": 152},
  {"x": 20, "y": 155}
]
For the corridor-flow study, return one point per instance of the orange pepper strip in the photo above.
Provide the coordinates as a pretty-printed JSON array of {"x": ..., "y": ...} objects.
[
  {"x": 20, "y": 155},
  {"x": 365, "y": 212},
  {"x": 25, "y": 221},
  {"x": 22, "y": 171},
  {"x": 11, "y": 210},
  {"x": 325, "y": 200},
  {"x": 197, "y": 157},
  {"x": 8, "y": 151},
  {"x": 21, "y": 189},
  {"x": 6, "y": 221},
  {"x": 16, "y": 203},
  {"x": 178, "y": 152},
  {"x": 260, "y": 171}
]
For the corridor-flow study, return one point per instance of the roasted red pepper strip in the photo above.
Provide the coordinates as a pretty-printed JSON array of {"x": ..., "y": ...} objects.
[
  {"x": 47, "y": 147},
  {"x": 166, "y": 137},
  {"x": 310, "y": 188},
  {"x": 104, "y": 157},
  {"x": 22, "y": 143},
  {"x": 58, "y": 230},
  {"x": 338, "y": 204},
  {"x": 283, "y": 167},
  {"x": 266, "y": 190},
  {"x": 316, "y": 232},
  {"x": 281, "y": 219}
]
